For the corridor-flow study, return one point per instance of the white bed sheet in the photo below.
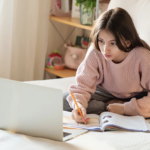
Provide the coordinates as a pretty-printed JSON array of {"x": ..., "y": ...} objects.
[{"x": 112, "y": 140}]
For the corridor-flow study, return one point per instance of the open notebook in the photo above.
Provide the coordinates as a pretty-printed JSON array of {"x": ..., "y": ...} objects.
[{"x": 108, "y": 121}]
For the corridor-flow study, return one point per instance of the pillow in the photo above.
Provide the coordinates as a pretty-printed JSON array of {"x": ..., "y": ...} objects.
[{"x": 139, "y": 10}]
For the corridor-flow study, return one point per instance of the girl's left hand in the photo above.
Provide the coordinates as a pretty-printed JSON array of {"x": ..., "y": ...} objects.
[{"x": 116, "y": 108}]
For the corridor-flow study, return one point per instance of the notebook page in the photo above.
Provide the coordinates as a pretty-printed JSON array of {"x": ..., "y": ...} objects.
[
  {"x": 148, "y": 124},
  {"x": 136, "y": 123},
  {"x": 91, "y": 125}
]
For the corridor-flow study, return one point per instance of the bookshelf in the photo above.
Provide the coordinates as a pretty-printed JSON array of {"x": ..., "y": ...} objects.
[
  {"x": 66, "y": 72},
  {"x": 70, "y": 21}
]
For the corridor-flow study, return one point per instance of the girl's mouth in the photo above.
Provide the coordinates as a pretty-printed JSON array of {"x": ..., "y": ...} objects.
[{"x": 107, "y": 56}]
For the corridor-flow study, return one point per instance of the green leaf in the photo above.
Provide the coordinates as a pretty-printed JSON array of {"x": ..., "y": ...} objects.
[
  {"x": 76, "y": 4},
  {"x": 55, "y": 51},
  {"x": 88, "y": 4}
]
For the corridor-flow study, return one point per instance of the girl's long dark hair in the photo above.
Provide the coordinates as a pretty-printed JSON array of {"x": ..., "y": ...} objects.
[{"x": 120, "y": 24}]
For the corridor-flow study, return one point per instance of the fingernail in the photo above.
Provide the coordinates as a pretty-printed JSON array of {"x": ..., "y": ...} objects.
[{"x": 83, "y": 119}]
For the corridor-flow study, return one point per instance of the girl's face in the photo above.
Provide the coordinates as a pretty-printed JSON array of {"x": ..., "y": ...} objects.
[{"x": 109, "y": 49}]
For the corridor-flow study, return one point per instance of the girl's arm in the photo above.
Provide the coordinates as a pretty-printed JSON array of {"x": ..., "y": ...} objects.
[
  {"x": 87, "y": 77},
  {"x": 138, "y": 107},
  {"x": 141, "y": 106}
]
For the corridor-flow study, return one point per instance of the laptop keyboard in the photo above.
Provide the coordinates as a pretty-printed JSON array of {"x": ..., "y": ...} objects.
[{"x": 66, "y": 134}]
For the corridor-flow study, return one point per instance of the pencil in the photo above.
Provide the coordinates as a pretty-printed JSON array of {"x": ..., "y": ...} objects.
[{"x": 77, "y": 106}]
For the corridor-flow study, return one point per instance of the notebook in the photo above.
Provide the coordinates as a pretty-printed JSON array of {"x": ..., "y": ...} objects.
[
  {"x": 108, "y": 121},
  {"x": 33, "y": 110}
]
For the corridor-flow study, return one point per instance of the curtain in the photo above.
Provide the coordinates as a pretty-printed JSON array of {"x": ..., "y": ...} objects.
[{"x": 24, "y": 26}]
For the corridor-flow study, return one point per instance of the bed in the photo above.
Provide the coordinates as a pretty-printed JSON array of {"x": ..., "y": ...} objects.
[{"x": 92, "y": 140}]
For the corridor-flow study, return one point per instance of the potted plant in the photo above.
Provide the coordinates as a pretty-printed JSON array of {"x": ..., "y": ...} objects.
[{"x": 86, "y": 11}]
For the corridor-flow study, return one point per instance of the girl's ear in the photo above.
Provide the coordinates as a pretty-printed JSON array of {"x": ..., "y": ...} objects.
[{"x": 128, "y": 43}]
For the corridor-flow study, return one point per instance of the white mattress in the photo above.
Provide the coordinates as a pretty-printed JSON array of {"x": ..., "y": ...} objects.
[{"x": 114, "y": 140}]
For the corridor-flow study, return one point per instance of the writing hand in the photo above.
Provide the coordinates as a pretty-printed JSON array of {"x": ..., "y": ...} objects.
[{"x": 76, "y": 115}]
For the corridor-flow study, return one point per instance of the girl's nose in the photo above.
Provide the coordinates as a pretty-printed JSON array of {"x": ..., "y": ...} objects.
[{"x": 106, "y": 48}]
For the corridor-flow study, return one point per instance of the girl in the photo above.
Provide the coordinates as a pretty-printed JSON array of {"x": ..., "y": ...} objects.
[{"x": 115, "y": 74}]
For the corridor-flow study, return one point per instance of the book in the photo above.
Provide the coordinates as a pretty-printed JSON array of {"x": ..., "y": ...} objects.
[
  {"x": 108, "y": 121},
  {"x": 75, "y": 13},
  {"x": 65, "y": 5}
]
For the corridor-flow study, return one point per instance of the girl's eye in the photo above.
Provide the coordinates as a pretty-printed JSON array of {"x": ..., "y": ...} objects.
[
  {"x": 101, "y": 41},
  {"x": 113, "y": 43}
]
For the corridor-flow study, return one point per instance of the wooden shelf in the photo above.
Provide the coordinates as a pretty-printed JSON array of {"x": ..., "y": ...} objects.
[
  {"x": 66, "y": 72},
  {"x": 62, "y": 73},
  {"x": 70, "y": 21}
]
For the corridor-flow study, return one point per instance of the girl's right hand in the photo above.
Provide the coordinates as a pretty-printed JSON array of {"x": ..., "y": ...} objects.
[{"x": 76, "y": 114}]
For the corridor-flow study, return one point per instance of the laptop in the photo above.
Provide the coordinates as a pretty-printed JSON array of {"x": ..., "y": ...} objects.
[{"x": 33, "y": 110}]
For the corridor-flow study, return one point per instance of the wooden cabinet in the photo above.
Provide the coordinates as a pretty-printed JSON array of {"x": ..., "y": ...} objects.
[{"x": 72, "y": 22}]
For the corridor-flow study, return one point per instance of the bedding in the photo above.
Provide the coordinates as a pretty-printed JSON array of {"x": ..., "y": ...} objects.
[{"x": 93, "y": 140}]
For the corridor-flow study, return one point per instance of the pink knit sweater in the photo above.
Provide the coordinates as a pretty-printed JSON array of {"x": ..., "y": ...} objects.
[{"x": 123, "y": 80}]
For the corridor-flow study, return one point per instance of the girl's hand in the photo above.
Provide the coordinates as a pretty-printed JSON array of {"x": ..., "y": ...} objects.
[
  {"x": 116, "y": 108},
  {"x": 76, "y": 115},
  {"x": 115, "y": 101}
]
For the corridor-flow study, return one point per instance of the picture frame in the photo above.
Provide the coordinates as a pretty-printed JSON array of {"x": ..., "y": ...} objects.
[{"x": 56, "y": 10}]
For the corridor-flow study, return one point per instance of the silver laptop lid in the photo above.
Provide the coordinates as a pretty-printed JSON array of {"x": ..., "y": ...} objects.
[{"x": 31, "y": 109}]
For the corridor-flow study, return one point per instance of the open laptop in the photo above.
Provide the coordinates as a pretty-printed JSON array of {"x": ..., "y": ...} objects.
[{"x": 33, "y": 110}]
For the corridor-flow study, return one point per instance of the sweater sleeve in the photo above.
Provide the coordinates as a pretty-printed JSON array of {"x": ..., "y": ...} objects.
[
  {"x": 141, "y": 106},
  {"x": 87, "y": 77}
]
